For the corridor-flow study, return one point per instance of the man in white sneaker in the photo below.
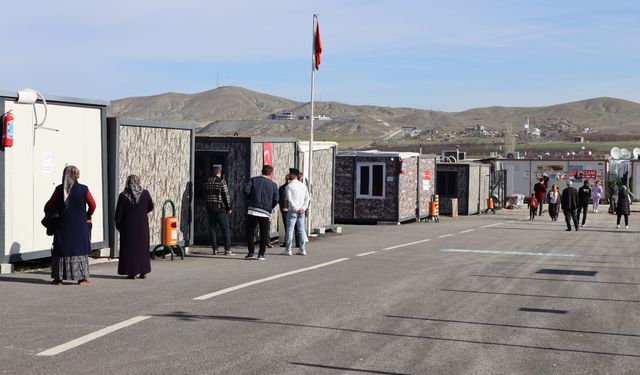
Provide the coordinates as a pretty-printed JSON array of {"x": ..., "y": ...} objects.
[{"x": 298, "y": 198}]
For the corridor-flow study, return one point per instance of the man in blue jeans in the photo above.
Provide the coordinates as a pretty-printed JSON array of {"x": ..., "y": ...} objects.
[
  {"x": 218, "y": 210},
  {"x": 298, "y": 199}
]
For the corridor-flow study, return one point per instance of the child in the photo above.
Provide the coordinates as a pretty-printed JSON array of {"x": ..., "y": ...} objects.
[{"x": 533, "y": 206}]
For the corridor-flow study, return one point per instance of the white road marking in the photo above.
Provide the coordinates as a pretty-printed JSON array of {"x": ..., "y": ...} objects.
[
  {"x": 491, "y": 225},
  {"x": 445, "y": 235},
  {"x": 466, "y": 231},
  {"x": 92, "y": 336},
  {"x": 233, "y": 288},
  {"x": 496, "y": 252},
  {"x": 407, "y": 244},
  {"x": 364, "y": 254}
]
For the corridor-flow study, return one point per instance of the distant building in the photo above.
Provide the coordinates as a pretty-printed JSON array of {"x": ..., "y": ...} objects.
[
  {"x": 318, "y": 117},
  {"x": 578, "y": 139},
  {"x": 282, "y": 116},
  {"x": 410, "y": 131}
]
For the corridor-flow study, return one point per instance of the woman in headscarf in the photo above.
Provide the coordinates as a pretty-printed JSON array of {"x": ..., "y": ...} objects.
[
  {"x": 622, "y": 206},
  {"x": 553, "y": 197},
  {"x": 132, "y": 221},
  {"x": 71, "y": 243}
]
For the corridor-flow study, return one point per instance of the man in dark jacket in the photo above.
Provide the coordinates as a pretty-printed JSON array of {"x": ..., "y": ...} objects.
[
  {"x": 218, "y": 209},
  {"x": 262, "y": 198},
  {"x": 569, "y": 204},
  {"x": 584, "y": 195}
]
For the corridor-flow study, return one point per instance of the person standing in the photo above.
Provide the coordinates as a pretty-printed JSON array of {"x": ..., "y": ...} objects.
[
  {"x": 218, "y": 210},
  {"x": 540, "y": 190},
  {"x": 284, "y": 205},
  {"x": 596, "y": 194},
  {"x": 132, "y": 221},
  {"x": 262, "y": 198},
  {"x": 298, "y": 199},
  {"x": 613, "y": 197},
  {"x": 622, "y": 208},
  {"x": 71, "y": 239},
  {"x": 569, "y": 204},
  {"x": 554, "y": 197},
  {"x": 584, "y": 195}
]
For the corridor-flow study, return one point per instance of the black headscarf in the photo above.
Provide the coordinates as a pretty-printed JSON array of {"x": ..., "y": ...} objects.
[{"x": 133, "y": 189}]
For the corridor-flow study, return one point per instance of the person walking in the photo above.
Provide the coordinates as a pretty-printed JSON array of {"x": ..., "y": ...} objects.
[
  {"x": 71, "y": 240},
  {"x": 298, "y": 199},
  {"x": 284, "y": 206},
  {"x": 553, "y": 199},
  {"x": 218, "y": 210},
  {"x": 613, "y": 197},
  {"x": 584, "y": 195},
  {"x": 540, "y": 190},
  {"x": 569, "y": 204},
  {"x": 622, "y": 207},
  {"x": 262, "y": 198},
  {"x": 596, "y": 194},
  {"x": 132, "y": 221}
]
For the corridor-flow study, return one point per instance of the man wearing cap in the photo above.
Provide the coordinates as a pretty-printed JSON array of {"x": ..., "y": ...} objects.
[
  {"x": 298, "y": 199},
  {"x": 218, "y": 209},
  {"x": 584, "y": 195},
  {"x": 569, "y": 204}
]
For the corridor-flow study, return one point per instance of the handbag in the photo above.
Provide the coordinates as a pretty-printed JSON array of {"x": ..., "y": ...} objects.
[{"x": 51, "y": 220}]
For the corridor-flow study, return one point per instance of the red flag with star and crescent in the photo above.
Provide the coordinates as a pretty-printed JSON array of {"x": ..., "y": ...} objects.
[{"x": 317, "y": 46}]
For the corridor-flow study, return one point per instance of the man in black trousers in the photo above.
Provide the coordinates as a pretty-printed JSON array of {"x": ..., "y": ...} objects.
[
  {"x": 569, "y": 204},
  {"x": 584, "y": 195},
  {"x": 262, "y": 198}
]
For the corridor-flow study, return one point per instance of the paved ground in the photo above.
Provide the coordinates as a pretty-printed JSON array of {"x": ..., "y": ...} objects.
[{"x": 490, "y": 294}]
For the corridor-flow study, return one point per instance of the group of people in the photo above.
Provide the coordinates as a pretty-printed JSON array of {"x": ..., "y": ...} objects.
[
  {"x": 262, "y": 195},
  {"x": 68, "y": 218},
  {"x": 574, "y": 202}
]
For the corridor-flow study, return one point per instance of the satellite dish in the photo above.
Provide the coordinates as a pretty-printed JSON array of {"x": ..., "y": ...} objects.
[
  {"x": 625, "y": 154},
  {"x": 615, "y": 153},
  {"x": 636, "y": 153}
]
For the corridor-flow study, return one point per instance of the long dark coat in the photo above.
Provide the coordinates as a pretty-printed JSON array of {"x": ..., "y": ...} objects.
[
  {"x": 569, "y": 199},
  {"x": 622, "y": 207},
  {"x": 133, "y": 224},
  {"x": 72, "y": 235}
]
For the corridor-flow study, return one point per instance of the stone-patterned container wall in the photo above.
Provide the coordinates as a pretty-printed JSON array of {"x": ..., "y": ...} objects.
[
  {"x": 408, "y": 188},
  {"x": 426, "y": 182},
  {"x": 366, "y": 210},
  {"x": 284, "y": 157},
  {"x": 321, "y": 207},
  {"x": 162, "y": 156}
]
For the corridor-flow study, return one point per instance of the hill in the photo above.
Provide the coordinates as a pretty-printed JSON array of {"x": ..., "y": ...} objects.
[{"x": 229, "y": 110}]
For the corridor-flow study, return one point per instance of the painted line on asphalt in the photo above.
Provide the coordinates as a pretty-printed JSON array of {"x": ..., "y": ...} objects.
[
  {"x": 406, "y": 244},
  {"x": 497, "y": 252},
  {"x": 92, "y": 336},
  {"x": 234, "y": 288},
  {"x": 445, "y": 235},
  {"x": 491, "y": 225},
  {"x": 466, "y": 231},
  {"x": 365, "y": 254}
]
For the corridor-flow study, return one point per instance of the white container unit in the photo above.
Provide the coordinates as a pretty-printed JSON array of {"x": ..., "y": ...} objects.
[{"x": 31, "y": 169}]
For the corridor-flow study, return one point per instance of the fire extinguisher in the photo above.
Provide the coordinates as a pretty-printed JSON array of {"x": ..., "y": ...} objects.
[{"x": 7, "y": 129}]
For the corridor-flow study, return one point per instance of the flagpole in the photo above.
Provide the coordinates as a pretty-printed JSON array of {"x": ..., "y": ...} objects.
[{"x": 313, "y": 91}]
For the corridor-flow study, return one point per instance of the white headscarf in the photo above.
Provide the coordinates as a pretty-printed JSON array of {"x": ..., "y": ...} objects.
[{"x": 69, "y": 177}]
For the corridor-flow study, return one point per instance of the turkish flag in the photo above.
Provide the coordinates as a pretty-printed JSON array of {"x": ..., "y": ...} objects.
[
  {"x": 317, "y": 46},
  {"x": 267, "y": 154}
]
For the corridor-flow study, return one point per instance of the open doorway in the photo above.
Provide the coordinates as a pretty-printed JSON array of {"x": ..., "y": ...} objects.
[{"x": 205, "y": 162}]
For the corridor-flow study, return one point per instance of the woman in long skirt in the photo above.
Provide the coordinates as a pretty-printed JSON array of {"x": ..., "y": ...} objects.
[
  {"x": 71, "y": 245},
  {"x": 622, "y": 207},
  {"x": 132, "y": 221}
]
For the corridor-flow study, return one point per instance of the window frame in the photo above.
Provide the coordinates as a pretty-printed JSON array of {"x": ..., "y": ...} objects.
[{"x": 370, "y": 166}]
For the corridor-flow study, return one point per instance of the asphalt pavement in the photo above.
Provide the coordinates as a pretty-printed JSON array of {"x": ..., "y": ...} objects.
[{"x": 486, "y": 294}]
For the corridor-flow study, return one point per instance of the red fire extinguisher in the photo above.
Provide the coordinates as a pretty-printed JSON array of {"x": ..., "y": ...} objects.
[{"x": 7, "y": 129}]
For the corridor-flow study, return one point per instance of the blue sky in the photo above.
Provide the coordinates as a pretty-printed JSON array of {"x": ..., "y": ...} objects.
[{"x": 442, "y": 55}]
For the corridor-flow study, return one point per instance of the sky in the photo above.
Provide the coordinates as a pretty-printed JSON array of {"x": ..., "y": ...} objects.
[{"x": 441, "y": 55}]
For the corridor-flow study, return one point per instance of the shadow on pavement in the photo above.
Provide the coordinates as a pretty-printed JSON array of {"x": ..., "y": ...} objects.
[{"x": 25, "y": 280}]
